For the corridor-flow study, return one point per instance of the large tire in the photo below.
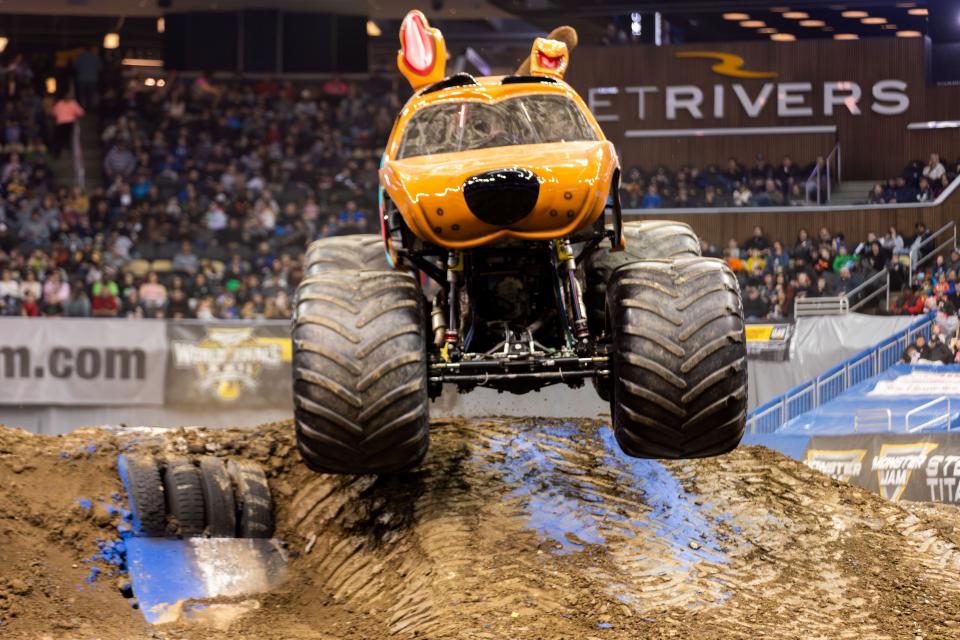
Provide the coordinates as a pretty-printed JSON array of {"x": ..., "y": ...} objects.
[
  {"x": 218, "y": 500},
  {"x": 360, "y": 251},
  {"x": 360, "y": 372},
  {"x": 141, "y": 475},
  {"x": 679, "y": 358},
  {"x": 645, "y": 240},
  {"x": 253, "y": 499},
  {"x": 181, "y": 482}
]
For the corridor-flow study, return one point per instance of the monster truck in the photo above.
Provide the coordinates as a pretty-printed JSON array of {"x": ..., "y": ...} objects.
[{"x": 503, "y": 262}]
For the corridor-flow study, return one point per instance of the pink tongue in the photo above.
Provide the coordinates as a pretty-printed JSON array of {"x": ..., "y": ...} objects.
[
  {"x": 417, "y": 44},
  {"x": 548, "y": 62}
]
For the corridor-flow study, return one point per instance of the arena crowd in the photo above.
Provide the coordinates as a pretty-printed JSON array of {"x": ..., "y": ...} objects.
[{"x": 211, "y": 190}]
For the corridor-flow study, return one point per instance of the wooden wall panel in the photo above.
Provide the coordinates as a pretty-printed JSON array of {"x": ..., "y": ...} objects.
[
  {"x": 874, "y": 146},
  {"x": 719, "y": 227}
]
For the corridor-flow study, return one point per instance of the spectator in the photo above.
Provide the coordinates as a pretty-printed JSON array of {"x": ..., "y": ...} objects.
[
  {"x": 742, "y": 195},
  {"x": 934, "y": 169},
  {"x": 119, "y": 162},
  {"x": 78, "y": 305},
  {"x": 754, "y": 306},
  {"x": 924, "y": 193},
  {"x": 877, "y": 195},
  {"x": 652, "y": 199},
  {"x": 186, "y": 261},
  {"x": 152, "y": 295},
  {"x": 86, "y": 68},
  {"x": 105, "y": 303},
  {"x": 938, "y": 350},
  {"x": 66, "y": 112}
]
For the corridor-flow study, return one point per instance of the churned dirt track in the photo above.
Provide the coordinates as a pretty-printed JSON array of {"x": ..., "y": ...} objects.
[{"x": 533, "y": 529}]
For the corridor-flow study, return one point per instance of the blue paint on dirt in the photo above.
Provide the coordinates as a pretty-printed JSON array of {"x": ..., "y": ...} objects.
[
  {"x": 85, "y": 503},
  {"x": 674, "y": 514}
]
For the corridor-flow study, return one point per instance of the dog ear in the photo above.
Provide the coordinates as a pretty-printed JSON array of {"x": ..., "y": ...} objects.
[
  {"x": 422, "y": 58},
  {"x": 566, "y": 35}
]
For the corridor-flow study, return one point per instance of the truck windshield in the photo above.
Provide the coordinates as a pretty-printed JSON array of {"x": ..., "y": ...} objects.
[{"x": 462, "y": 126}]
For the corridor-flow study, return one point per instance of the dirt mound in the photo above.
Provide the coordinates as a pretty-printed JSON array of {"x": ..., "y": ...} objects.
[{"x": 510, "y": 529}]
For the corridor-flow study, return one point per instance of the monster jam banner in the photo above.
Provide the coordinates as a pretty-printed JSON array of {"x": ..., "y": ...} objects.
[
  {"x": 229, "y": 363},
  {"x": 769, "y": 341},
  {"x": 87, "y": 361},
  {"x": 903, "y": 466}
]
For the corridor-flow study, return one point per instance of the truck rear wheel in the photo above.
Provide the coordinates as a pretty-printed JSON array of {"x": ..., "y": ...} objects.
[
  {"x": 360, "y": 372},
  {"x": 679, "y": 358},
  {"x": 646, "y": 240},
  {"x": 359, "y": 251}
]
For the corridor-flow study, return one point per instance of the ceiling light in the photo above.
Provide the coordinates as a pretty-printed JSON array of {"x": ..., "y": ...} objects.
[
  {"x": 736, "y": 16},
  {"x": 811, "y": 23},
  {"x": 142, "y": 62},
  {"x": 796, "y": 15},
  {"x": 753, "y": 24},
  {"x": 161, "y": 25},
  {"x": 889, "y": 26},
  {"x": 854, "y": 14},
  {"x": 3, "y": 43},
  {"x": 909, "y": 34},
  {"x": 920, "y": 11},
  {"x": 876, "y": 20},
  {"x": 783, "y": 37},
  {"x": 111, "y": 41},
  {"x": 373, "y": 30},
  {"x": 767, "y": 30},
  {"x": 845, "y": 36},
  {"x": 161, "y": 82},
  {"x": 51, "y": 84},
  {"x": 150, "y": 82}
]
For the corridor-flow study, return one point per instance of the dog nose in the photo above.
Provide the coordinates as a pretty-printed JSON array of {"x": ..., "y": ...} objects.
[{"x": 503, "y": 196}]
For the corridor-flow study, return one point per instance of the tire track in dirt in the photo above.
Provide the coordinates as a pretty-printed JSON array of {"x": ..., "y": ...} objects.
[
  {"x": 515, "y": 529},
  {"x": 544, "y": 529}
]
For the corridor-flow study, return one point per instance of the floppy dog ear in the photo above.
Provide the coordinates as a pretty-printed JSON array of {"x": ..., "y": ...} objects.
[
  {"x": 422, "y": 58},
  {"x": 566, "y": 35}
]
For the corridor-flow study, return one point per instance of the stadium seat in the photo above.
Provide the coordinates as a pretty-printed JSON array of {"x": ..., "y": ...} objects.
[
  {"x": 161, "y": 266},
  {"x": 139, "y": 268}
]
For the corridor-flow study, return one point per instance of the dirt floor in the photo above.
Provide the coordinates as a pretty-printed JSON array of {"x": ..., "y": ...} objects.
[{"x": 536, "y": 529}]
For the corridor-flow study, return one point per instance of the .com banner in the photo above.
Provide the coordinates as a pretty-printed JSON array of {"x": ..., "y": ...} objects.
[
  {"x": 82, "y": 361},
  {"x": 234, "y": 364}
]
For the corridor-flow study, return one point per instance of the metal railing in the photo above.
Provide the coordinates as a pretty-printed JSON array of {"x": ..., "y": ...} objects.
[
  {"x": 823, "y": 176},
  {"x": 948, "y": 232},
  {"x": 873, "y": 419},
  {"x": 937, "y": 419},
  {"x": 854, "y": 299},
  {"x": 805, "y": 397},
  {"x": 871, "y": 288}
]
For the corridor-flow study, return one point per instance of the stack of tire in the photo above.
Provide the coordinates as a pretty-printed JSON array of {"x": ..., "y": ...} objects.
[{"x": 202, "y": 497}]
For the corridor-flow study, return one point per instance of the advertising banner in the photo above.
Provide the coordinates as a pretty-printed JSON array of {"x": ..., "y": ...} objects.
[
  {"x": 81, "y": 361},
  {"x": 769, "y": 341},
  {"x": 898, "y": 466},
  {"x": 229, "y": 364}
]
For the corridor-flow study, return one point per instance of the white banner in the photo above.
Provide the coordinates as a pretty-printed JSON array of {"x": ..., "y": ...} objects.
[{"x": 82, "y": 361}]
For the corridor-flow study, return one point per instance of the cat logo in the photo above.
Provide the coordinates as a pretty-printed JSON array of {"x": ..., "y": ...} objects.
[
  {"x": 896, "y": 463},
  {"x": 839, "y": 465},
  {"x": 229, "y": 361},
  {"x": 730, "y": 64}
]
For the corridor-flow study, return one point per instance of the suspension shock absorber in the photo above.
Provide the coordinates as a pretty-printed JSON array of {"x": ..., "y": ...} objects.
[
  {"x": 452, "y": 333},
  {"x": 578, "y": 314}
]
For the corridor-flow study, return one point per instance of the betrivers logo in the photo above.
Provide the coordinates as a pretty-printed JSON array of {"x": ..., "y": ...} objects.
[
  {"x": 730, "y": 64},
  {"x": 838, "y": 464},
  {"x": 896, "y": 463},
  {"x": 229, "y": 362}
]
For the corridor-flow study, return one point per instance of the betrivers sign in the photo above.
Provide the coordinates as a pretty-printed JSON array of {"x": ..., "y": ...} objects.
[{"x": 789, "y": 99}]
